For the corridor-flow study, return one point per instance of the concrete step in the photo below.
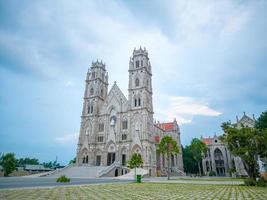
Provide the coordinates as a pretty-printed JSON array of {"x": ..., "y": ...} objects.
[{"x": 78, "y": 172}]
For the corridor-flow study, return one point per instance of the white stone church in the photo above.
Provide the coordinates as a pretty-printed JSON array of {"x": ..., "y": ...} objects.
[{"x": 114, "y": 127}]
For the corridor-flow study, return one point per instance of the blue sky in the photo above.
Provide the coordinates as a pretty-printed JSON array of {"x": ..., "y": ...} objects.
[{"x": 209, "y": 63}]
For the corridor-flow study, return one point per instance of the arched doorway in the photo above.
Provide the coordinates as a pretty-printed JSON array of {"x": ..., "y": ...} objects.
[
  {"x": 111, "y": 156},
  {"x": 219, "y": 162}
]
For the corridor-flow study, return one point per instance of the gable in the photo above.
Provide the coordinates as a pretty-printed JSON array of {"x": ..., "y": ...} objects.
[{"x": 115, "y": 100}]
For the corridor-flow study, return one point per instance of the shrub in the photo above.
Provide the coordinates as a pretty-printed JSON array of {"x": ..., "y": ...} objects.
[
  {"x": 63, "y": 179},
  {"x": 250, "y": 182},
  {"x": 212, "y": 173},
  {"x": 261, "y": 182}
]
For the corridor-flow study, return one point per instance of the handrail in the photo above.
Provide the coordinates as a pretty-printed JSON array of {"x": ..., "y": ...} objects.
[
  {"x": 109, "y": 168},
  {"x": 178, "y": 171}
]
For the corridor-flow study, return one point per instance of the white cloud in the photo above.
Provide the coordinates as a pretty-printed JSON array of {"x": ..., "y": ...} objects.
[
  {"x": 67, "y": 138},
  {"x": 183, "y": 109},
  {"x": 68, "y": 83}
]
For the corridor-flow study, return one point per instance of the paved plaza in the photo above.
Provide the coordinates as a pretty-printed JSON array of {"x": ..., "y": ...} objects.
[{"x": 139, "y": 191}]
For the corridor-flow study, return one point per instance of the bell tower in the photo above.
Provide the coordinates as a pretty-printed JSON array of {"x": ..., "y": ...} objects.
[
  {"x": 96, "y": 88},
  {"x": 140, "y": 84}
]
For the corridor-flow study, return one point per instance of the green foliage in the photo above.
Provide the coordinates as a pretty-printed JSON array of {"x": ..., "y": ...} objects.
[
  {"x": 27, "y": 161},
  {"x": 252, "y": 182},
  {"x": 198, "y": 149},
  {"x": 8, "y": 162},
  {"x": 135, "y": 161},
  {"x": 73, "y": 161},
  {"x": 193, "y": 155},
  {"x": 212, "y": 173},
  {"x": 168, "y": 146},
  {"x": 51, "y": 165},
  {"x": 247, "y": 143},
  {"x": 63, "y": 179},
  {"x": 261, "y": 122},
  {"x": 190, "y": 165}
]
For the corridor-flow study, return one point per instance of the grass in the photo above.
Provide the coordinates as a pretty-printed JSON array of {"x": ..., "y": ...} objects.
[
  {"x": 140, "y": 191},
  {"x": 16, "y": 173},
  {"x": 211, "y": 179}
]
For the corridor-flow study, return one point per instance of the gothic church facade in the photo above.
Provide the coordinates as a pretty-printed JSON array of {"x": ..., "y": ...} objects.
[{"x": 114, "y": 127}]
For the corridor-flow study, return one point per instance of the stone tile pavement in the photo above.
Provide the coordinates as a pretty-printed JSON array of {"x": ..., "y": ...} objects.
[{"x": 151, "y": 191}]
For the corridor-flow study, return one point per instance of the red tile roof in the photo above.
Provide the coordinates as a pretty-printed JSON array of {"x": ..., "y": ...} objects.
[
  {"x": 207, "y": 141},
  {"x": 166, "y": 126}
]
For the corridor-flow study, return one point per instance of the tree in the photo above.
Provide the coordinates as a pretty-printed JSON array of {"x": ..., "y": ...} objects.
[
  {"x": 190, "y": 165},
  {"x": 73, "y": 161},
  {"x": 198, "y": 150},
  {"x": 261, "y": 122},
  {"x": 27, "y": 161},
  {"x": 168, "y": 146},
  {"x": 8, "y": 162},
  {"x": 135, "y": 162},
  {"x": 248, "y": 144}
]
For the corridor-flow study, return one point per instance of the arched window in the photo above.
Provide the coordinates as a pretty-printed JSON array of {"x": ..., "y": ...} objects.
[
  {"x": 101, "y": 93},
  {"x": 139, "y": 102},
  {"x": 137, "y": 82},
  {"x": 137, "y": 64},
  {"x": 91, "y": 91},
  {"x": 135, "y": 102}
]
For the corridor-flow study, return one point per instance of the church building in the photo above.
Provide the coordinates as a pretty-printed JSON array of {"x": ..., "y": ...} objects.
[{"x": 114, "y": 127}]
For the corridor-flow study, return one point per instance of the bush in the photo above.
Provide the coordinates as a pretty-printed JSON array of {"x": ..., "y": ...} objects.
[
  {"x": 261, "y": 182},
  {"x": 251, "y": 182},
  {"x": 212, "y": 173},
  {"x": 63, "y": 179}
]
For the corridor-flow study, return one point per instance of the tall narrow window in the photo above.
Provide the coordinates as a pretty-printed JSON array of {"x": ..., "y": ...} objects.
[
  {"x": 141, "y": 63},
  {"x": 137, "y": 64},
  {"x": 137, "y": 82},
  {"x": 125, "y": 124},
  {"x": 101, "y": 127},
  {"x": 135, "y": 102},
  {"x": 93, "y": 75},
  {"x": 139, "y": 102},
  {"x": 91, "y": 91},
  {"x": 101, "y": 93},
  {"x": 89, "y": 110}
]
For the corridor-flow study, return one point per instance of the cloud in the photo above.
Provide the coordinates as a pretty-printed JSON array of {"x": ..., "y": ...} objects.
[
  {"x": 184, "y": 109},
  {"x": 67, "y": 138},
  {"x": 68, "y": 83}
]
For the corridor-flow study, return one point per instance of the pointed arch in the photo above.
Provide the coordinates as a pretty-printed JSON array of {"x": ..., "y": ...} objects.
[
  {"x": 137, "y": 82},
  {"x": 92, "y": 91}
]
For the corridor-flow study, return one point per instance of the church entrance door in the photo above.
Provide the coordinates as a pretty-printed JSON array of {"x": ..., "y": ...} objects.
[{"x": 111, "y": 158}]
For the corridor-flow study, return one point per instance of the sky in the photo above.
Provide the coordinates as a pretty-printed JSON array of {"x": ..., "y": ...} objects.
[{"x": 209, "y": 64}]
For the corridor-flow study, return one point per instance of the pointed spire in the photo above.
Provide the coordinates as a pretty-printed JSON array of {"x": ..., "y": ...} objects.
[
  {"x": 237, "y": 119},
  {"x": 244, "y": 113}
]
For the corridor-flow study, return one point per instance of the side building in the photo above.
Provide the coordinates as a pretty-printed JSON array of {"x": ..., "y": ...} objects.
[{"x": 219, "y": 159}]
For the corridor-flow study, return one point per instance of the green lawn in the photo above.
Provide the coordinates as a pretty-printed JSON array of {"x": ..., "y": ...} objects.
[
  {"x": 140, "y": 191},
  {"x": 211, "y": 179}
]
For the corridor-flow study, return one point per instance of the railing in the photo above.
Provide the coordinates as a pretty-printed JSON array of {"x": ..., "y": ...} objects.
[
  {"x": 106, "y": 170},
  {"x": 177, "y": 170}
]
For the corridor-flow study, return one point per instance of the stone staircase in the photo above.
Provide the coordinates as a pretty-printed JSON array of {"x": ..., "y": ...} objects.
[{"x": 74, "y": 171}]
